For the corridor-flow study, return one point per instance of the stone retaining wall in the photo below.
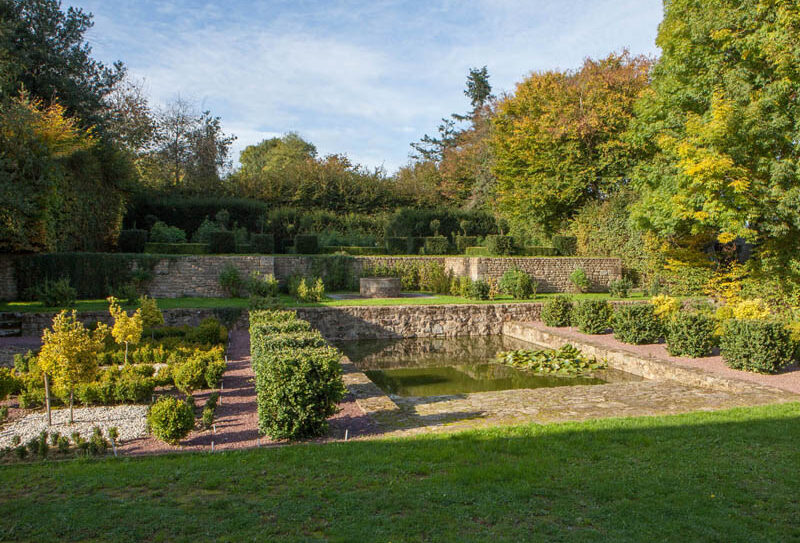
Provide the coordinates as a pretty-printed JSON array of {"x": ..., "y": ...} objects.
[{"x": 199, "y": 275}]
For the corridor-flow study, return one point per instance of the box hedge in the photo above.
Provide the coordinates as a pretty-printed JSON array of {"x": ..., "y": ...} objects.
[
  {"x": 306, "y": 244},
  {"x": 352, "y": 250},
  {"x": 463, "y": 242},
  {"x": 396, "y": 245},
  {"x": 565, "y": 245},
  {"x": 132, "y": 241},
  {"x": 500, "y": 245},
  {"x": 477, "y": 251},
  {"x": 592, "y": 316},
  {"x": 436, "y": 245},
  {"x": 263, "y": 243},
  {"x": 690, "y": 334},
  {"x": 557, "y": 311},
  {"x": 761, "y": 346},
  {"x": 176, "y": 248},
  {"x": 222, "y": 242},
  {"x": 637, "y": 324}
]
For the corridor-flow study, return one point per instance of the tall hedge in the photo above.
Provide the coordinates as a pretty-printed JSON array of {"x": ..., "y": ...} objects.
[{"x": 414, "y": 222}]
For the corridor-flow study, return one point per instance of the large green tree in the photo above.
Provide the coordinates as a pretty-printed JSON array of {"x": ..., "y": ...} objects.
[
  {"x": 558, "y": 140},
  {"x": 722, "y": 124}
]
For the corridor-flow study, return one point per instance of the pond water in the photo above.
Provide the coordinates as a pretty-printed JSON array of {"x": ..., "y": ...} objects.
[{"x": 449, "y": 366}]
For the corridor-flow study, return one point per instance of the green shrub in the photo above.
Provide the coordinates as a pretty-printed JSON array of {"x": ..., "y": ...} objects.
[
  {"x": 619, "y": 287},
  {"x": 262, "y": 243},
  {"x": 208, "y": 418},
  {"x": 9, "y": 384},
  {"x": 460, "y": 286},
  {"x": 557, "y": 311},
  {"x": 209, "y": 332},
  {"x": 190, "y": 375},
  {"x": 306, "y": 291},
  {"x": 433, "y": 278},
  {"x": 760, "y": 346},
  {"x": 436, "y": 245},
  {"x": 592, "y": 316},
  {"x": 500, "y": 245},
  {"x": 255, "y": 303},
  {"x": 132, "y": 241},
  {"x": 477, "y": 251},
  {"x": 478, "y": 290},
  {"x": 306, "y": 244},
  {"x": 176, "y": 248},
  {"x": 690, "y": 334},
  {"x": 355, "y": 251},
  {"x": 222, "y": 242},
  {"x": 170, "y": 420},
  {"x": 637, "y": 324},
  {"x": 161, "y": 233},
  {"x": 231, "y": 280},
  {"x": 298, "y": 390},
  {"x": 56, "y": 293},
  {"x": 537, "y": 250},
  {"x": 565, "y": 245},
  {"x": 518, "y": 284},
  {"x": 462, "y": 242},
  {"x": 579, "y": 279},
  {"x": 396, "y": 245},
  {"x": 263, "y": 285},
  {"x": 414, "y": 245}
]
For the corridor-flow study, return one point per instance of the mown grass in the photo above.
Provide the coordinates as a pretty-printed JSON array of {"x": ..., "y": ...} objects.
[
  {"x": 723, "y": 476},
  {"x": 288, "y": 301}
]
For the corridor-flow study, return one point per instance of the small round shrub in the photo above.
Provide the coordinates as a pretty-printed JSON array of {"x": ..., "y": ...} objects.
[
  {"x": 761, "y": 346},
  {"x": 619, "y": 288},
  {"x": 592, "y": 316},
  {"x": 690, "y": 334},
  {"x": 637, "y": 324},
  {"x": 170, "y": 420},
  {"x": 579, "y": 279},
  {"x": 557, "y": 311},
  {"x": 190, "y": 375},
  {"x": 478, "y": 290},
  {"x": 518, "y": 284}
]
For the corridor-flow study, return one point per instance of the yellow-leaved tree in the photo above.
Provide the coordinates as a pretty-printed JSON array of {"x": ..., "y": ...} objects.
[
  {"x": 69, "y": 355},
  {"x": 127, "y": 329},
  {"x": 151, "y": 314}
]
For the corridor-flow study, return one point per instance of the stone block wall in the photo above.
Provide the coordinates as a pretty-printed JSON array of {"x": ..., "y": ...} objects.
[
  {"x": 553, "y": 273},
  {"x": 199, "y": 275}
]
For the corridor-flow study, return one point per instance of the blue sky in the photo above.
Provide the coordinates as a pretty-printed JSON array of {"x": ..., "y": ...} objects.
[{"x": 363, "y": 78}]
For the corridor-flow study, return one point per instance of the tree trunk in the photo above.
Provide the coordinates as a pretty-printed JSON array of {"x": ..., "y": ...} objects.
[
  {"x": 126, "y": 352},
  {"x": 71, "y": 396},
  {"x": 47, "y": 400}
]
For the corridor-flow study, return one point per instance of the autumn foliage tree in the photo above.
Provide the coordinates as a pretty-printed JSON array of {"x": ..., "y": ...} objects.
[
  {"x": 558, "y": 140},
  {"x": 127, "y": 329},
  {"x": 69, "y": 354}
]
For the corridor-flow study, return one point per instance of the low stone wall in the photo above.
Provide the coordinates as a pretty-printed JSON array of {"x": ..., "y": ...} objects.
[
  {"x": 553, "y": 273},
  {"x": 199, "y": 275},
  {"x": 33, "y": 324}
]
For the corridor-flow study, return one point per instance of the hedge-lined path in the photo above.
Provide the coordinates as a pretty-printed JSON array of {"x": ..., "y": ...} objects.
[{"x": 237, "y": 417}]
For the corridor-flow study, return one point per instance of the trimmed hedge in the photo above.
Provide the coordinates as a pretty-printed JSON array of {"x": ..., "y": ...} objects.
[
  {"x": 592, "y": 316},
  {"x": 690, "y": 334},
  {"x": 565, "y": 245},
  {"x": 221, "y": 242},
  {"x": 756, "y": 345},
  {"x": 519, "y": 284},
  {"x": 414, "y": 244},
  {"x": 477, "y": 251},
  {"x": 263, "y": 243},
  {"x": 637, "y": 324},
  {"x": 306, "y": 244},
  {"x": 132, "y": 241},
  {"x": 536, "y": 250},
  {"x": 462, "y": 242},
  {"x": 170, "y": 419},
  {"x": 436, "y": 245},
  {"x": 298, "y": 377},
  {"x": 357, "y": 251},
  {"x": 557, "y": 311},
  {"x": 396, "y": 245},
  {"x": 176, "y": 248},
  {"x": 92, "y": 275},
  {"x": 500, "y": 245}
]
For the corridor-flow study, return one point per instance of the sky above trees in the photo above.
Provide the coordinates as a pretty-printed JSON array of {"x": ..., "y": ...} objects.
[{"x": 354, "y": 77}]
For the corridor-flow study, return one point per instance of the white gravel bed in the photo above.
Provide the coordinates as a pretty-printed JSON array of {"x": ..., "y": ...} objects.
[{"x": 130, "y": 420}]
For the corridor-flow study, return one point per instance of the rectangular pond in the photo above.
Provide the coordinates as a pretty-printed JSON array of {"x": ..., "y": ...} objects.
[{"x": 422, "y": 367}]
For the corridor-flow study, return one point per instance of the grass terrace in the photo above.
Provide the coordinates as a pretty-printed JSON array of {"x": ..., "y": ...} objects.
[{"x": 728, "y": 475}]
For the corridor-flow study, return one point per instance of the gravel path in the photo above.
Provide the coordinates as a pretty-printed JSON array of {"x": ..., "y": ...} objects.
[
  {"x": 128, "y": 419},
  {"x": 789, "y": 379}
]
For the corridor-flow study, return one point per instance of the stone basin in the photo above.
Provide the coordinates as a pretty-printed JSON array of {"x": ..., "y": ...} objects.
[{"x": 380, "y": 287}]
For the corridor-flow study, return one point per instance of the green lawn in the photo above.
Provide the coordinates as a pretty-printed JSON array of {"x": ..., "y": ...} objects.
[
  {"x": 724, "y": 476},
  {"x": 170, "y": 303}
]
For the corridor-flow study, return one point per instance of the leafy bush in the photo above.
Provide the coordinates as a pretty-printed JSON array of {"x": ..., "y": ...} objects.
[
  {"x": 665, "y": 307},
  {"x": 500, "y": 245},
  {"x": 263, "y": 302},
  {"x": 190, "y": 375},
  {"x": 538, "y": 250},
  {"x": 56, "y": 293},
  {"x": 262, "y": 243},
  {"x": 565, "y": 245},
  {"x": 128, "y": 293},
  {"x": 209, "y": 332},
  {"x": 9, "y": 384},
  {"x": 306, "y": 244},
  {"x": 462, "y": 242},
  {"x": 306, "y": 291},
  {"x": 637, "y": 324},
  {"x": 436, "y": 245},
  {"x": 619, "y": 287},
  {"x": 478, "y": 290},
  {"x": 690, "y": 334},
  {"x": 557, "y": 311},
  {"x": 415, "y": 245},
  {"x": 579, "y": 279},
  {"x": 231, "y": 280},
  {"x": 762, "y": 346},
  {"x": 417, "y": 222},
  {"x": 592, "y": 316},
  {"x": 176, "y": 248},
  {"x": 132, "y": 241},
  {"x": 162, "y": 233},
  {"x": 477, "y": 251},
  {"x": 396, "y": 245},
  {"x": 170, "y": 420},
  {"x": 518, "y": 284},
  {"x": 262, "y": 285},
  {"x": 222, "y": 242},
  {"x": 433, "y": 278}
]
